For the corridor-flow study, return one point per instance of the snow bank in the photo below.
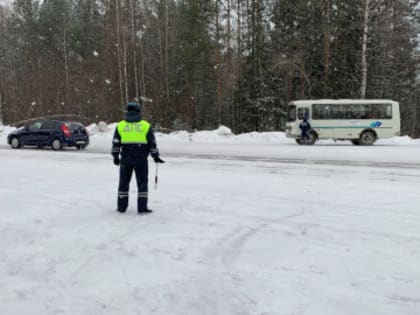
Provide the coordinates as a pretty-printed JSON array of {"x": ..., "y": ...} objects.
[
  {"x": 224, "y": 135},
  {"x": 101, "y": 128},
  {"x": 221, "y": 135},
  {"x": 404, "y": 140},
  {"x": 4, "y": 131}
]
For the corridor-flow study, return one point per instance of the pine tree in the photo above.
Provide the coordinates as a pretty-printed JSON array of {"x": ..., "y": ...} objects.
[
  {"x": 3, "y": 59},
  {"x": 392, "y": 66},
  {"x": 21, "y": 48},
  {"x": 195, "y": 73},
  {"x": 86, "y": 47}
]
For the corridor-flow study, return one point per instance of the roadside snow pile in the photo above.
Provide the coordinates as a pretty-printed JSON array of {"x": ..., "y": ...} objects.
[
  {"x": 221, "y": 135},
  {"x": 224, "y": 135},
  {"x": 4, "y": 131},
  {"x": 224, "y": 131},
  {"x": 263, "y": 137},
  {"x": 404, "y": 140},
  {"x": 101, "y": 128}
]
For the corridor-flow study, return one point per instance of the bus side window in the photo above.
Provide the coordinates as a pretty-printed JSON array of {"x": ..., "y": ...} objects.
[
  {"x": 358, "y": 111},
  {"x": 339, "y": 111},
  {"x": 347, "y": 111},
  {"x": 326, "y": 112},
  {"x": 321, "y": 111},
  {"x": 316, "y": 112},
  {"x": 376, "y": 112},
  {"x": 388, "y": 114},
  {"x": 365, "y": 108}
]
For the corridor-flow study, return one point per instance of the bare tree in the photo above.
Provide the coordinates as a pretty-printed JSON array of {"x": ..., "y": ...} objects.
[
  {"x": 133, "y": 43},
  {"x": 364, "y": 50},
  {"x": 167, "y": 84},
  {"x": 118, "y": 44},
  {"x": 1, "y": 71},
  {"x": 218, "y": 67},
  {"x": 236, "y": 112},
  {"x": 229, "y": 64},
  {"x": 1, "y": 103},
  {"x": 124, "y": 43},
  {"x": 142, "y": 66},
  {"x": 327, "y": 35}
]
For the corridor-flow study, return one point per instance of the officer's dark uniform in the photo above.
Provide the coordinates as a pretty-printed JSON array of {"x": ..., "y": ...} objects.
[
  {"x": 305, "y": 126},
  {"x": 134, "y": 140}
]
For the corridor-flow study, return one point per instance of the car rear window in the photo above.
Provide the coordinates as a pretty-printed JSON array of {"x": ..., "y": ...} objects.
[{"x": 75, "y": 126}]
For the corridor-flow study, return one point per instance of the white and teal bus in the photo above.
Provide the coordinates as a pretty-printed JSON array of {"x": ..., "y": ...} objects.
[{"x": 360, "y": 121}]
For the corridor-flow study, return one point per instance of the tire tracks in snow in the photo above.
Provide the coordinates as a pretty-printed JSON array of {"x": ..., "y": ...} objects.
[
  {"x": 221, "y": 294},
  {"x": 231, "y": 253}
]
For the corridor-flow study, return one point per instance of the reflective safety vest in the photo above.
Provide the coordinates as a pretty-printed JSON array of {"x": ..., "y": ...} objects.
[{"x": 133, "y": 132}]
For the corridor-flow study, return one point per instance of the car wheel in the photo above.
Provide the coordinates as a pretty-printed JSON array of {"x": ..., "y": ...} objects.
[
  {"x": 15, "y": 143},
  {"x": 355, "y": 142},
  {"x": 56, "y": 144},
  {"x": 367, "y": 138},
  {"x": 80, "y": 147}
]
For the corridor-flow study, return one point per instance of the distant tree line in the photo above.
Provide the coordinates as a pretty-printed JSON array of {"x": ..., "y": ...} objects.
[{"x": 197, "y": 64}]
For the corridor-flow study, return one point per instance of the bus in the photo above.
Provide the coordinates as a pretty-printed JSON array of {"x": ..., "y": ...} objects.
[{"x": 360, "y": 121}]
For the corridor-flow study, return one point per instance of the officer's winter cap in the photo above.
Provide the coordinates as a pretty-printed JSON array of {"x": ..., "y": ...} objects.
[{"x": 133, "y": 107}]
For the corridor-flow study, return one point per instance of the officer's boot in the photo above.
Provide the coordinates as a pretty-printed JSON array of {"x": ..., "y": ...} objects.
[
  {"x": 122, "y": 202},
  {"x": 142, "y": 203}
]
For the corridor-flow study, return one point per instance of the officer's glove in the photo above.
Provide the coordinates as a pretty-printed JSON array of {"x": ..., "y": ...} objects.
[
  {"x": 116, "y": 160},
  {"x": 158, "y": 160}
]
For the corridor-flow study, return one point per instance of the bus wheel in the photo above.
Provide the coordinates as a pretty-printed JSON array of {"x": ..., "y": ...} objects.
[
  {"x": 312, "y": 138},
  {"x": 367, "y": 138}
]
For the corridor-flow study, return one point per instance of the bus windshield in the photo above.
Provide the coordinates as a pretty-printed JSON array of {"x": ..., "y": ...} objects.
[{"x": 291, "y": 113}]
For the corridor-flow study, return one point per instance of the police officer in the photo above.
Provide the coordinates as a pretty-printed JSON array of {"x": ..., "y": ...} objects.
[
  {"x": 305, "y": 126},
  {"x": 133, "y": 141}
]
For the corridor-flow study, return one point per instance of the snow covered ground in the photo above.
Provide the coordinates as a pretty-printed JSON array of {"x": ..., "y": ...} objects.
[{"x": 250, "y": 224}]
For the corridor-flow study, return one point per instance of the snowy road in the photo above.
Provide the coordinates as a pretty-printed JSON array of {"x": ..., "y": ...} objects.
[
  {"x": 296, "y": 159},
  {"x": 227, "y": 236}
]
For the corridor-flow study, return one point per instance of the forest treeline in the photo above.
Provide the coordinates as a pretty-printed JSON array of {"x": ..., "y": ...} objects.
[{"x": 197, "y": 64}]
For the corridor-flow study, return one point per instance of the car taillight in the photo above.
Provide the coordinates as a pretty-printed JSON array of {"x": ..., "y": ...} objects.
[{"x": 66, "y": 130}]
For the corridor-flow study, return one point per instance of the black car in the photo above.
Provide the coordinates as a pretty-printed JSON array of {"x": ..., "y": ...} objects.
[{"x": 53, "y": 133}]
